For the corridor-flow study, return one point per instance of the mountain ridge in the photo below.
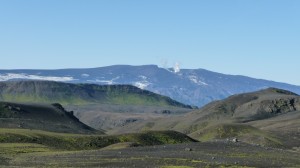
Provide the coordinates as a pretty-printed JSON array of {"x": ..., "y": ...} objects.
[{"x": 190, "y": 86}]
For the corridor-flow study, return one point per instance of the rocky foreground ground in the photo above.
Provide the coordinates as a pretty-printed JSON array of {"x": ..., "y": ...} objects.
[{"x": 209, "y": 154}]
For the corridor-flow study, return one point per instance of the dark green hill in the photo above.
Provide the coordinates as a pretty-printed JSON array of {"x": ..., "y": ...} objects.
[
  {"x": 41, "y": 117},
  {"x": 81, "y": 94},
  {"x": 99, "y": 106},
  {"x": 247, "y": 116}
]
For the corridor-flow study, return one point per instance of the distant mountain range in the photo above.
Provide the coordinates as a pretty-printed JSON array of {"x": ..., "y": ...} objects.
[{"x": 190, "y": 86}]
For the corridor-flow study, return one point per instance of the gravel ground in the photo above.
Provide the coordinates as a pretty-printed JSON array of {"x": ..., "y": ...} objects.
[{"x": 210, "y": 154}]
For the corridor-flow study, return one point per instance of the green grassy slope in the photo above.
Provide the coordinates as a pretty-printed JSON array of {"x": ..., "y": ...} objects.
[{"x": 80, "y": 94}]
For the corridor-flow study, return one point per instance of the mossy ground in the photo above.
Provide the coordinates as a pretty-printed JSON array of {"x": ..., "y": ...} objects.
[
  {"x": 18, "y": 145},
  {"x": 176, "y": 167},
  {"x": 65, "y": 141}
]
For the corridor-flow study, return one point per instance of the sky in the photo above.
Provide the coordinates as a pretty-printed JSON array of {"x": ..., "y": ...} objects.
[{"x": 256, "y": 38}]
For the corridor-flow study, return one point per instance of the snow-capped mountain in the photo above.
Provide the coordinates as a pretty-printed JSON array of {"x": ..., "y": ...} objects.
[{"x": 190, "y": 86}]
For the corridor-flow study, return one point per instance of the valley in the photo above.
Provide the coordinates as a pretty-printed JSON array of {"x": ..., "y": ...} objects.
[
  {"x": 53, "y": 124},
  {"x": 100, "y": 106},
  {"x": 149, "y": 84},
  {"x": 261, "y": 117}
]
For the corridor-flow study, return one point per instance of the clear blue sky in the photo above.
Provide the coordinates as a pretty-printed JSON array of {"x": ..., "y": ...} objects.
[{"x": 257, "y": 38}]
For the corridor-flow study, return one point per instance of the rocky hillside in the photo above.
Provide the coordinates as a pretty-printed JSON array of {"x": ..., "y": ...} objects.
[{"x": 251, "y": 117}]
